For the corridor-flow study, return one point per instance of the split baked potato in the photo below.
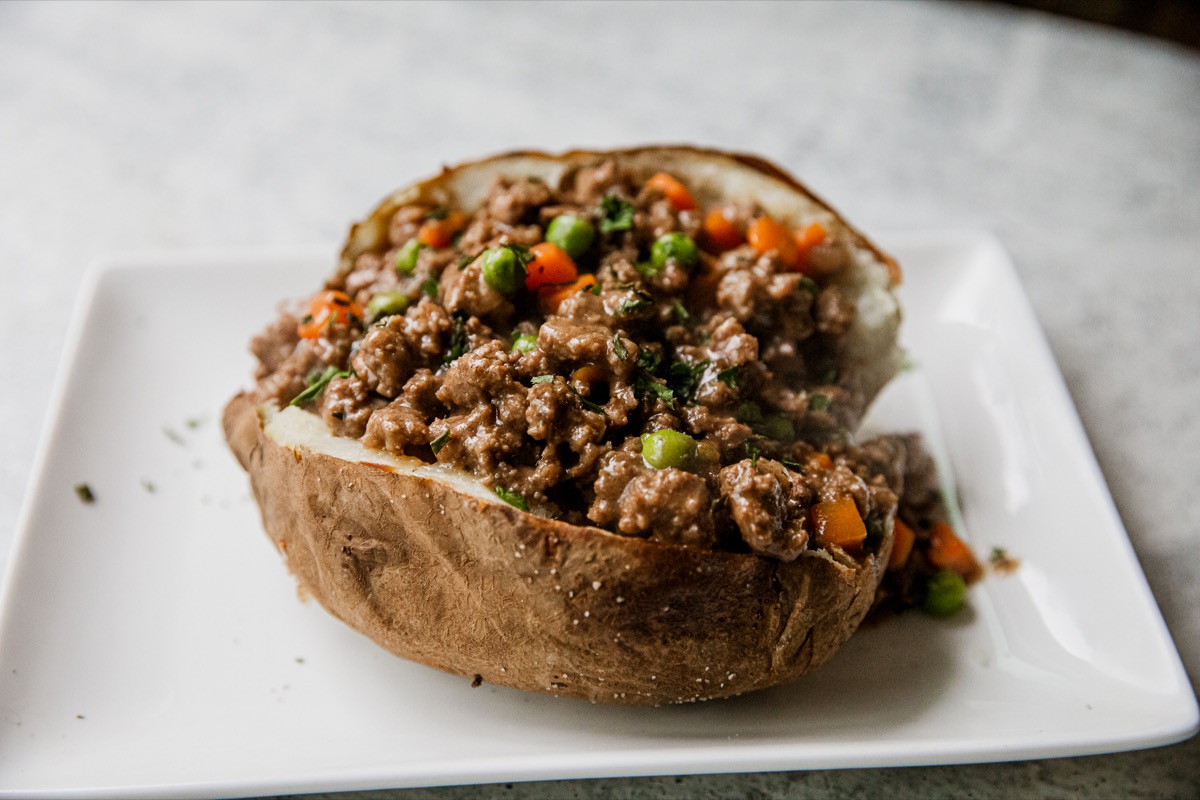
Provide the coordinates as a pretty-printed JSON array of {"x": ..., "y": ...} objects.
[{"x": 633, "y": 483}]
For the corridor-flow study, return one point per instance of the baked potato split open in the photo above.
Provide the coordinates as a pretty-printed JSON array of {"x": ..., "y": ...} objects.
[
  {"x": 436, "y": 569},
  {"x": 361, "y": 436}
]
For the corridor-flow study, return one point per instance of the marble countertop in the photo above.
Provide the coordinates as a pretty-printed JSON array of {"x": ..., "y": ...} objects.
[{"x": 135, "y": 126}]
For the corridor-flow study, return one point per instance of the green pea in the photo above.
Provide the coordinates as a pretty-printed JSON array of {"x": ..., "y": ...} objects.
[
  {"x": 524, "y": 342},
  {"x": 946, "y": 593},
  {"x": 502, "y": 269},
  {"x": 776, "y": 427},
  {"x": 678, "y": 247},
  {"x": 749, "y": 412},
  {"x": 572, "y": 234},
  {"x": 385, "y": 304},
  {"x": 406, "y": 256},
  {"x": 667, "y": 448}
]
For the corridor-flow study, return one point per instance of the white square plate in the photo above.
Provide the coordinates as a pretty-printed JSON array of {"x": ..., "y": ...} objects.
[{"x": 151, "y": 643}]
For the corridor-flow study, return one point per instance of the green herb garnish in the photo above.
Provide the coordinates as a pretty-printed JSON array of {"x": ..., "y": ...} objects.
[
  {"x": 684, "y": 378},
  {"x": 437, "y": 444},
  {"x": 818, "y": 402},
  {"x": 458, "y": 340},
  {"x": 809, "y": 285},
  {"x": 543, "y": 379},
  {"x": 85, "y": 493},
  {"x": 648, "y": 269},
  {"x": 659, "y": 390},
  {"x": 644, "y": 380},
  {"x": 634, "y": 304},
  {"x": 430, "y": 287},
  {"x": 619, "y": 347},
  {"x": 682, "y": 316},
  {"x": 318, "y": 384},
  {"x": 588, "y": 404},
  {"x": 618, "y": 214},
  {"x": 729, "y": 376},
  {"x": 753, "y": 452},
  {"x": 512, "y": 498}
]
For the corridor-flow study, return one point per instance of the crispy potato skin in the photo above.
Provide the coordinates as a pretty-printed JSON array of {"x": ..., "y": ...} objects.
[{"x": 474, "y": 587}]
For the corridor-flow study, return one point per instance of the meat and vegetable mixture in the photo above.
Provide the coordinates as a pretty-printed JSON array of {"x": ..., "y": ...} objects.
[{"x": 609, "y": 353}]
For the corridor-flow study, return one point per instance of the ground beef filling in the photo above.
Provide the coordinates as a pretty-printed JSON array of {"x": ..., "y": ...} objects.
[{"x": 545, "y": 395}]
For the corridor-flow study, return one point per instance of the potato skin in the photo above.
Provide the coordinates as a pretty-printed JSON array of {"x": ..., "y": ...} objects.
[{"x": 478, "y": 588}]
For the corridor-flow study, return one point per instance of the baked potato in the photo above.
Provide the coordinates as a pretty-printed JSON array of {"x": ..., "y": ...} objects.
[{"x": 633, "y": 481}]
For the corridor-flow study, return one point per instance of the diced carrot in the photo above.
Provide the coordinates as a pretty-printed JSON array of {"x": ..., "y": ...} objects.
[
  {"x": 550, "y": 297},
  {"x": 902, "y": 544},
  {"x": 820, "y": 461},
  {"x": 838, "y": 523},
  {"x": 810, "y": 236},
  {"x": 550, "y": 265},
  {"x": 947, "y": 551},
  {"x": 327, "y": 308},
  {"x": 440, "y": 232},
  {"x": 807, "y": 238},
  {"x": 675, "y": 192},
  {"x": 766, "y": 234},
  {"x": 721, "y": 231},
  {"x": 589, "y": 374}
]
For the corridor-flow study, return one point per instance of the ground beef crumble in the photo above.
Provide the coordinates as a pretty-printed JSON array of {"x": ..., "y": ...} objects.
[{"x": 549, "y": 397}]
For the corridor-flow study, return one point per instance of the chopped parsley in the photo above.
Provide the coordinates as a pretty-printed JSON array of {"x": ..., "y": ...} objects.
[
  {"x": 430, "y": 287},
  {"x": 85, "y": 493},
  {"x": 729, "y": 376},
  {"x": 318, "y": 384},
  {"x": 682, "y": 316},
  {"x": 632, "y": 305},
  {"x": 648, "y": 269},
  {"x": 617, "y": 214},
  {"x": 588, "y": 404},
  {"x": 659, "y": 390},
  {"x": 458, "y": 340},
  {"x": 512, "y": 498},
  {"x": 649, "y": 360},
  {"x": 437, "y": 444},
  {"x": 753, "y": 452},
  {"x": 644, "y": 380},
  {"x": 684, "y": 378},
  {"x": 809, "y": 285},
  {"x": 818, "y": 402},
  {"x": 543, "y": 379},
  {"x": 619, "y": 348},
  {"x": 438, "y": 213}
]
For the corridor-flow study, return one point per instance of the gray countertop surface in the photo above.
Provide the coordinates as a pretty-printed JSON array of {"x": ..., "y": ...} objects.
[{"x": 137, "y": 126}]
